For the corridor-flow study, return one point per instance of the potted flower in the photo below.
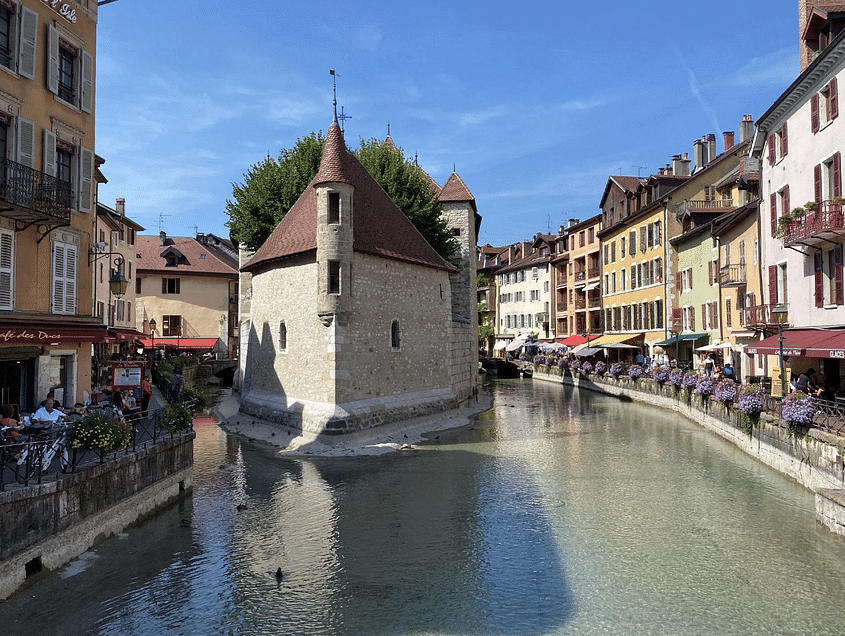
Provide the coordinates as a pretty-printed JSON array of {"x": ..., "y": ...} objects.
[
  {"x": 725, "y": 391},
  {"x": 176, "y": 418},
  {"x": 586, "y": 368},
  {"x": 750, "y": 403},
  {"x": 690, "y": 380},
  {"x": 660, "y": 375},
  {"x": 601, "y": 368},
  {"x": 617, "y": 369},
  {"x": 704, "y": 385},
  {"x": 100, "y": 433},
  {"x": 635, "y": 372},
  {"x": 676, "y": 377},
  {"x": 797, "y": 410}
]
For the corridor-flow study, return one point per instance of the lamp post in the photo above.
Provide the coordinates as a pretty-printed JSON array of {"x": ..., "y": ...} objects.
[
  {"x": 780, "y": 311},
  {"x": 153, "y": 334},
  {"x": 117, "y": 281},
  {"x": 676, "y": 331}
]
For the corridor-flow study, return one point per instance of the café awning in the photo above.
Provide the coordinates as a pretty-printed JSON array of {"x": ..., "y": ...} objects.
[
  {"x": 181, "y": 343},
  {"x": 810, "y": 343},
  {"x": 684, "y": 337},
  {"x": 51, "y": 333},
  {"x": 575, "y": 340},
  {"x": 614, "y": 338}
]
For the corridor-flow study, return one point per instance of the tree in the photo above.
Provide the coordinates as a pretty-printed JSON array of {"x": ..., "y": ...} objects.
[{"x": 271, "y": 187}]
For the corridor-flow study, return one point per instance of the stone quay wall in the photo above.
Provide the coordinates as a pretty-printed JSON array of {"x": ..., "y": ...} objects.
[
  {"x": 815, "y": 459},
  {"x": 43, "y": 526}
]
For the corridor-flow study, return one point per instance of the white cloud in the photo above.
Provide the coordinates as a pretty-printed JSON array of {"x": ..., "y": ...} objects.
[{"x": 778, "y": 68}]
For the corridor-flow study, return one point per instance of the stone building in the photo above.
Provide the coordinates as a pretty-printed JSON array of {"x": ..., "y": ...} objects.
[{"x": 353, "y": 319}]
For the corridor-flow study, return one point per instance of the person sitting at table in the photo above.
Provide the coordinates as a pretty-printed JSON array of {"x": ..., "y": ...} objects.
[
  {"x": 48, "y": 413},
  {"x": 13, "y": 431}
]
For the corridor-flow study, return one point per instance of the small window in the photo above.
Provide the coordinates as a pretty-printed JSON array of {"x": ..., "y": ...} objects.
[
  {"x": 283, "y": 337},
  {"x": 334, "y": 277},
  {"x": 333, "y": 215},
  {"x": 456, "y": 231},
  {"x": 169, "y": 285},
  {"x": 138, "y": 285},
  {"x": 395, "y": 336}
]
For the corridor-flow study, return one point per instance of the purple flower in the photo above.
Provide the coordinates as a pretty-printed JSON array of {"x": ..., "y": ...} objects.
[
  {"x": 635, "y": 372},
  {"x": 587, "y": 367},
  {"x": 798, "y": 408},
  {"x": 704, "y": 385},
  {"x": 575, "y": 365},
  {"x": 601, "y": 367},
  {"x": 676, "y": 377},
  {"x": 725, "y": 391},
  {"x": 660, "y": 375},
  {"x": 750, "y": 400},
  {"x": 563, "y": 363},
  {"x": 690, "y": 380},
  {"x": 617, "y": 369}
]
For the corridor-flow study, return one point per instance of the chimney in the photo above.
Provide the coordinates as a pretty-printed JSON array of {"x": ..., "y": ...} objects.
[
  {"x": 680, "y": 167},
  {"x": 729, "y": 140},
  {"x": 668, "y": 170},
  {"x": 698, "y": 151},
  {"x": 120, "y": 206},
  {"x": 746, "y": 128},
  {"x": 711, "y": 147},
  {"x": 560, "y": 231},
  {"x": 660, "y": 172},
  {"x": 162, "y": 237}
]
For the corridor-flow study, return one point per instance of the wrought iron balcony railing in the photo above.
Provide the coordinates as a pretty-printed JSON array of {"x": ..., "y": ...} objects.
[
  {"x": 32, "y": 194},
  {"x": 825, "y": 222},
  {"x": 763, "y": 316},
  {"x": 732, "y": 275},
  {"x": 718, "y": 205}
]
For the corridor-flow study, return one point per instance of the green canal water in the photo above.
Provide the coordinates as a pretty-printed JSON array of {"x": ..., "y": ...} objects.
[{"x": 557, "y": 512}]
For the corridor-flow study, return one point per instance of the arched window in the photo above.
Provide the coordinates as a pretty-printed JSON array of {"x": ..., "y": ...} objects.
[
  {"x": 283, "y": 337},
  {"x": 395, "y": 339}
]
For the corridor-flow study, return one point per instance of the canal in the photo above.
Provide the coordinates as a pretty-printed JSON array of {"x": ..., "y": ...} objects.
[{"x": 557, "y": 512}]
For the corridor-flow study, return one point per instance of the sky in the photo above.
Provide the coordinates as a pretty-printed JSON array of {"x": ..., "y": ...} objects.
[{"x": 534, "y": 104}]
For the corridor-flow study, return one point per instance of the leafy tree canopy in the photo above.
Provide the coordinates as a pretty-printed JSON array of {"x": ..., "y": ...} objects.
[{"x": 271, "y": 187}]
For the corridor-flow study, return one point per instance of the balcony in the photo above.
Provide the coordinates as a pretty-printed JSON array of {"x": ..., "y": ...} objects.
[
  {"x": 31, "y": 196},
  {"x": 717, "y": 206},
  {"x": 761, "y": 316},
  {"x": 825, "y": 223},
  {"x": 541, "y": 318},
  {"x": 594, "y": 303},
  {"x": 594, "y": 272},
  {"x": 732, "y": 275},
  {"x": 580, "y": 303},
  {"x": 580, "y": 276},
  {"x": 561, "y": 307}
]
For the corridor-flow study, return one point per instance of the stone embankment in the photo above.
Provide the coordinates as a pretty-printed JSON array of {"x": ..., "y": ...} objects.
[{"x": 815, "y": 459}]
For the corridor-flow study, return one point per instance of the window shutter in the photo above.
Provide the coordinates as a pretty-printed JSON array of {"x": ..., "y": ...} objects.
[
  {"x": 838, "y": 275},
  {"x": 704, "y": 324},
  {"x": 163, "y": 285},
  {"x": 710, "y": 272},
  {"x": 52, "y": 59},
  {"x": 728, "y": 320},
  {"x": 786, "y": 209},
  {"x": 784, "y": 141},
  {"x": 818, "y": 268},
  {"x": 49, "y": 158},
  {"x": 86, "y": 179},
  {"x": 28, "y": 43},
  {"x": 87, "y": 101},
  {"x": 691, "y": 319},
  {"x": 632, "y": 242},
  {"x": 64, "y": 278},
  {"x": 834, "y": 99},
  {"x": 179, "y": 279},
  {"x": 773, "y": 284},
  {"x": 642, "y": 239},
  {"x": 7, "y": 261},
  {"x": 814, "y": 113},
  {"x": 837, "y": 175},
  {"x": 26, "y": 142},
  {"x": 657, "y": 236},
  {"x": 817, "y": 183},
  {"x": 633, "y": 276},
  {"x": 679, "y": 281},
  {"x": 771, "y": 142},
  {"x": 773, "y": 213}
]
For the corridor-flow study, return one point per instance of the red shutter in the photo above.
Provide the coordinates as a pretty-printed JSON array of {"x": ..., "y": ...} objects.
[
  {"x": 818, "y": 267},
  {"x": 163, "y": 285},
  {"x": 728, "y": 320},
  {"x": 784, "y": 141},
  {"x": 814, "y": 113},
  {"x": 691, "y": 319},
  {"x": 677, "y": 314},
  {"x": 773, "y": 284},
  {"x": 771, "y": 143},
  {"x": 817, "y": 183},
  {"x": 773, "y": 213},
  {"x": 838, "y": 275},
  {"x": 679, "y": 282},
  {"x": 834, "y": 99},
  {"x": 704, "y": 324},
  {"x": 837, "y": 175}
]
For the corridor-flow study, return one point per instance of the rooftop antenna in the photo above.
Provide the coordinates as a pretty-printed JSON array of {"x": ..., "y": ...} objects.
[
  {"x": 161, "y": 216},
  {"x": 388, "y": 128},
  {"x": 639, "y": 168}
]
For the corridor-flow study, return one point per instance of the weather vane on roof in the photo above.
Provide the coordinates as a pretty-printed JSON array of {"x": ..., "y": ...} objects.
[{"x": 339, "y": 119}]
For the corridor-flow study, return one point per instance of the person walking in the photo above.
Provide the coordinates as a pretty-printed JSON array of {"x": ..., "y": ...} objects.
[
  {"x": 177, "y": 386},
  {"x": 708, "y": 365}
]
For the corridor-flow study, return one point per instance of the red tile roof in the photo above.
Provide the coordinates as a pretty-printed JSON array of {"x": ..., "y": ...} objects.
[
  {"x": 198, "y": 260},
  {"x": 380, "y": 228},
  {"x": 455, "y": 190}
]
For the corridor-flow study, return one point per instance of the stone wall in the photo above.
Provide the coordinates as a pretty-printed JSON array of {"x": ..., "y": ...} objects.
[
  {"x": 45, "y": 526},
  {"x": 815, "y": 459}
]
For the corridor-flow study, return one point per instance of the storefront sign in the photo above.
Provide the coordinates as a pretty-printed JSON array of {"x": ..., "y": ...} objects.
[
  {"x": 29, "y": 336},
  {"x": 837, "y": 354},
  {"x": 127, "y": 375},
  {"x": 63, "y": 9}
]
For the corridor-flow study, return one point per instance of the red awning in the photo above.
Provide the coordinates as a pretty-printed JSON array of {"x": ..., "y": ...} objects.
[
  {"x": 181, "y": 343},
  {"x": 124, "y": 335},
  {"x": 51, "y": 334},
  {"x": 575, "y": 340},
  {"x": 810, "y": 343}
]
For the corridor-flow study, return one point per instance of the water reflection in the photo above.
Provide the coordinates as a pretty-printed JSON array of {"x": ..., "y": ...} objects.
[{"x": 556, "y": 512}]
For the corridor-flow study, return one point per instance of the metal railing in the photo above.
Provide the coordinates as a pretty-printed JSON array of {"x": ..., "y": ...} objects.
[
  {"x": 827, "y": 217},
  {"x": 716, "y": 205},
  {"x": 28, "y": 188},
  {"x": 762, "y": 315},
  {"x": 732, "y": 274},
  {"x": 48, "y": 454}
]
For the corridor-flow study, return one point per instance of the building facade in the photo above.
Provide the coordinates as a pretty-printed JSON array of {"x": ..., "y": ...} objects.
[{"x": 47, "y": 135}]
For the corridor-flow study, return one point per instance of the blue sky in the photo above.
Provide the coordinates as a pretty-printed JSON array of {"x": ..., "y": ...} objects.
[{"x": 535, "y": 104}]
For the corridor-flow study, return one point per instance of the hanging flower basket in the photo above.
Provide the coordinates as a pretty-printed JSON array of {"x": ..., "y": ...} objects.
[
  {"x": 586, "y": 368},
  {"x": 617, "y": 369},
  {"x": 660, "y": 375},
  {"x": 725, "y": 391},
  {"x": 798, "y": 409},
  {"x": 635, "y": 372},
  {"x": 676, "y": 377},
  {"x": 100, "y": 433},
  {"x": 601, "y": 368},
  {"x": 704, "y": 385}
]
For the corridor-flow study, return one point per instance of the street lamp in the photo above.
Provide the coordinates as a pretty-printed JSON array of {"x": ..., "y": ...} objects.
[
  {"x": 676, "y": 331},
  {"x": 780, "y": 311},
  {"x": 153, "y": 334}
]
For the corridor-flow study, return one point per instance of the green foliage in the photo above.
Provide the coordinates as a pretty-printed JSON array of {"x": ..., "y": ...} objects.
[
  {"x": 271, "y": 187},
  {"x": 484, "y": 332},
  {"x": 483, "y": 280},
  {"x": 411, "y": 190},
  {"x": 269, "y": 190},
  {"x": 165, "y": 370},
  {"x": 185, "y": 361},
  {"x": 97, "y": 432},
  {"x": 195, "y": 394},
  {"x": 176, "y": 418}
]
